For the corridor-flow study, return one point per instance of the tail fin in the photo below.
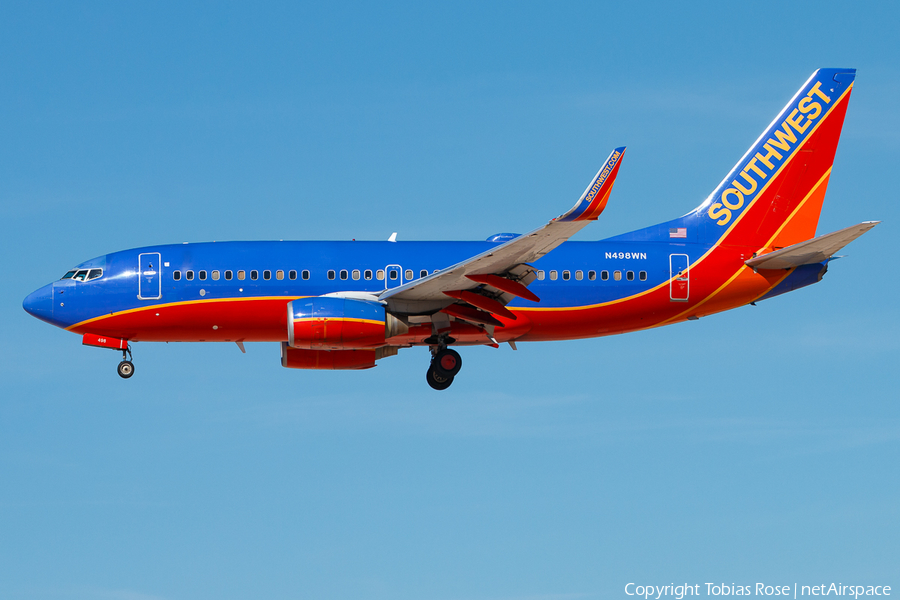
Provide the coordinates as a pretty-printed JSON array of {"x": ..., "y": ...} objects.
[{"x": 773, "y": 195}]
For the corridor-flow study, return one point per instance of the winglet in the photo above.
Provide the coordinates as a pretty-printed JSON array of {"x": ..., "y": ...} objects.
[{"x": 595, "y": 197}]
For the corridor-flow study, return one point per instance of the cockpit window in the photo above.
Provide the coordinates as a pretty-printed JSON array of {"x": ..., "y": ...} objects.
[{"x": 82, "y": 274}]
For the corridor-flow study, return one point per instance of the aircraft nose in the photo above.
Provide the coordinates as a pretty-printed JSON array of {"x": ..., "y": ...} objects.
[{"x": 40, "y": 303}]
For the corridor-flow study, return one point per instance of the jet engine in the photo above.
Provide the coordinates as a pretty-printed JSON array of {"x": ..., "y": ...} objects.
[{"x": 331, "y": 323}]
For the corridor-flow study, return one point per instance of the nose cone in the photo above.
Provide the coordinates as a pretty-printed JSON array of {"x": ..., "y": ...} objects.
[{"x": 40, "y": 303}]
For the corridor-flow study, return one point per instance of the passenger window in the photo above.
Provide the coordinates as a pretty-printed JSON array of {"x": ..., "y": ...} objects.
[
  {"x": 80, "y": 275},
  {"x": 355, "y": 274},
  {"x": 553, "y": 275},
  {"x": 279, "y": 275},
  {"x": 202, "y": 275},
  {"x": 540, "y": 275},
  {"x": 629, "y": 275},
  {"x": 94, "y": 274},
  {"x": 579, "y": 275},
  {"x": 190, "y": 275},
  {"x": 215, "y": 275},
  {"x": 643, "y": 275},
  {"x": 423, "y": 273},
  {"x": 254, "y": 275},
  {"x": 592, "y": 275},
  {"x": 68, "y": 275},
  {"x": 617, "y": 275},
  {"x": 604, "y": 275},
  {"x": 228, "y": 275},
  {"x": 409, "y": 274},
  {"x": 344, "y": 274},
  {"x": 394, "y": 274},
  {"x": 330, "y": 274},
  {"x": 379, "y": 274},
  {"x": 367, "y": 274},
  {"x": 566, "y": 275},
  {"x": 176, "y": 275},
  {"x": 241, "y": 275},
  {"x": 292, "y": 275},
  {"x": 304, "y": 274},
  {"x": 267, "y": 275}
]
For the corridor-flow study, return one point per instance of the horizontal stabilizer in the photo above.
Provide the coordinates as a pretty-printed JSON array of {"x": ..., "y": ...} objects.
[{"x": 811, "y": 251}]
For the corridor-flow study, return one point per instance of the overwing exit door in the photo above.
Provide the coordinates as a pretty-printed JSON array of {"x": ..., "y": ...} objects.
[
  {"x": 393, "y": 276},
  {"x": 149, "y": 276},
  {"x": 679, "y": 278}
]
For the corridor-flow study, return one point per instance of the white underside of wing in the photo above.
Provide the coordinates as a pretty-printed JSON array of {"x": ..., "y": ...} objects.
[{"x": 521, "y": 250}]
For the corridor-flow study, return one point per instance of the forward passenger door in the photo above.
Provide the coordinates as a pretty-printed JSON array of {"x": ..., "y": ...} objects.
[{"x": 149, "y": 276}]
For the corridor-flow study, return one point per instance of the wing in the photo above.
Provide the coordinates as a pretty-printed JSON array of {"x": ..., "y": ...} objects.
[
  {"x": 811, "y": 251},
  {"x": 491, "y": 279}
]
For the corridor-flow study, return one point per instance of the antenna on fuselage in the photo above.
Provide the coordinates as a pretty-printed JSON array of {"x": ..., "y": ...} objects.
[{"x": 393, "y": 237}]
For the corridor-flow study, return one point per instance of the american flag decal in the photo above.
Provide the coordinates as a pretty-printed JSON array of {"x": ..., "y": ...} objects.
[{"x": 678, "y": 232}]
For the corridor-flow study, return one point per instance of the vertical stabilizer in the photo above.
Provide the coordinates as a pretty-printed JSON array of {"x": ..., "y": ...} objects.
[{"x": 773, "y": 195}]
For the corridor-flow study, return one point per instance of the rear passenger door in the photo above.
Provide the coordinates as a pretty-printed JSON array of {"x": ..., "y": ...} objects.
[{"x": 679, "y": 278}]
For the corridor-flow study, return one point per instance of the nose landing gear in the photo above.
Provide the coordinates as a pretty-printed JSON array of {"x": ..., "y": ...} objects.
[
  {"x": 445, "y": 364},
  {"x": 126, "y": 367}
]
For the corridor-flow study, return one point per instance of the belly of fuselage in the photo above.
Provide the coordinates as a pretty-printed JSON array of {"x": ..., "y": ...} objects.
[{"x": 219, "y": 320}]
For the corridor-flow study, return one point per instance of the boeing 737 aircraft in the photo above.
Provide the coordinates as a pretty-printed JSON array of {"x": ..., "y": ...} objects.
[{"x": 345, "y": 305}]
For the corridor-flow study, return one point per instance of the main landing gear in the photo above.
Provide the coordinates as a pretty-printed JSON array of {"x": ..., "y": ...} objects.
[
  {"x": 445, "y": 364},
  {"x": 126, "y": 367}
]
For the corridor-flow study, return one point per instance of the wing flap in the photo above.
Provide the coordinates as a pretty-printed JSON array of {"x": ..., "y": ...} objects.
[
  {"x": 473, "y": 315},
  {"x": 811, "y": 251},
  {"x": 505, "y": 285},
  {"x": 479, "y": 301}
]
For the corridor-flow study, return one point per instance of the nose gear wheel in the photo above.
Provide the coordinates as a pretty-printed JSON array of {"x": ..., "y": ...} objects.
[{"x": 126, "y": 367}]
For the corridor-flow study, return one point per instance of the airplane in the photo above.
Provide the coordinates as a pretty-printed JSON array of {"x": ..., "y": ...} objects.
[{"x": 348, "y": 304}]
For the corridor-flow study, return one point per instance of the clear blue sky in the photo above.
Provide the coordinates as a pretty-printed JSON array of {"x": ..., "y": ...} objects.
[{"x": 760, "y": 445}]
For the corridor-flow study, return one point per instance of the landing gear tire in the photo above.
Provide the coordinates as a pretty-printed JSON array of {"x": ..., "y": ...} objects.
[
  {"x": 448, "y": 362},
  {"x": 125, "y": 369},
  {"x": 438, "y": 380}
]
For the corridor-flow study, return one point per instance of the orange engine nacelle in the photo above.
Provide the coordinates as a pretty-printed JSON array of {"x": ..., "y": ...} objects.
[{"x": 324, "y": 323}]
